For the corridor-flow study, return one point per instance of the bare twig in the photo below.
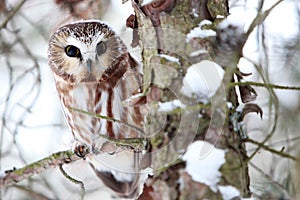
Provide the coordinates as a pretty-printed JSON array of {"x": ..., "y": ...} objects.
[
  {"x": 276, "y": 107},
  {"x": 270, "y": 179},
  {"x": 15, "y": 10},
  {"x": 109, "y": 119},
  {"x": 73, "y": 180},
  {"x": 261, "y": 16},
  {"x": 36, "y": 88},
  {"x": 3, "y": 118},
  {"x": 33, "y": 194},
  {"x": 265, "y": 85},
  {"x": 267, "y": 148}
]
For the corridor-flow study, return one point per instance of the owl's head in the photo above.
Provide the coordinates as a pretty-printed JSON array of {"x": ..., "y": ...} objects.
[{"x": 83, "y": 51}]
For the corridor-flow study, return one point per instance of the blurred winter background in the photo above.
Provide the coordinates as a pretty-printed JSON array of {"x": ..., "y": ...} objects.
[{"x": 32, "y": 126}]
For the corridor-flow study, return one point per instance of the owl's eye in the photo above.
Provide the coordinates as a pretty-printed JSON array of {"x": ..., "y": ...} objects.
[
  {"x": 72, "y": 51},
  {"x": 101, "y": 48}
]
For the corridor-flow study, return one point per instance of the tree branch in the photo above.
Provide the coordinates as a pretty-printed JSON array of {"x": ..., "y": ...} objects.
[
  {"x": 64, "y": 157},
  {"x": 16, "y": 175},
  {"x": 267, "y": 148},
  {"x": 108, "y": 119},
  {"x": 15, "y": 10},
  {"x": 261, "y": 17},
  {"x": 73, "y": 180},
  {"x": 265, "y": 85}
]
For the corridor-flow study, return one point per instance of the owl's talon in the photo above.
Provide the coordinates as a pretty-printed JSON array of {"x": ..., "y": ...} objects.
[{"x": 81, "y": 150}]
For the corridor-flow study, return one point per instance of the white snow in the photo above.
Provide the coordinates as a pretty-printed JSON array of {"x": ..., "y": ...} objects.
[
  {"x": 203, "y": 162},
  {"x": 132, "y": 99},
  {"x": 2, "y": 174},
  {"x": 220, "y": 17},
  {"x": 145, "y": 2},
  {"x": 202, "y": 80},
  {"x": 228, "y": 192},
  {"x": 229, "y": 105},
  {"x": 170, "y": 105},
  {"x": 169, "y": 58},
  {"x": 194, "y": 12},
  {"x": 198, "y": 52},
  {"x": 233, "y": 21},
  {"x": 198, "y": 32}
]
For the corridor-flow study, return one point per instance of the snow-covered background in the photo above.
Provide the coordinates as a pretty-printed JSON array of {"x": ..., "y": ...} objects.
[{"x": 31, "y": 134}]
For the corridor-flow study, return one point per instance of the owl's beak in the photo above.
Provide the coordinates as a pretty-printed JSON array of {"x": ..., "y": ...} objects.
[
  {"x": 89, "y": 77},
  {"x": 89, "y": 65}
]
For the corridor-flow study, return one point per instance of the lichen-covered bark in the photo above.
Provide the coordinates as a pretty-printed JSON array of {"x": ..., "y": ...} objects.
[{"x": 164, "y": 32}]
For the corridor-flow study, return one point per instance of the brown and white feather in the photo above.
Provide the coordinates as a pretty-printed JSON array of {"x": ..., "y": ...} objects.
[{"x": 111, "y": 79}]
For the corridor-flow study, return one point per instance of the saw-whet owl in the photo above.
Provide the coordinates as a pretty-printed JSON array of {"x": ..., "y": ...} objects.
[{"x": 94, "y": 72}]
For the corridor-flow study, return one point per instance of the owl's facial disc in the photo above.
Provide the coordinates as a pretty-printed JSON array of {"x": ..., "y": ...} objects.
[
  {"x": 89, "y": 59},
  {"x": 83, "y": 51},
  {"x": 73, "y": 51}
]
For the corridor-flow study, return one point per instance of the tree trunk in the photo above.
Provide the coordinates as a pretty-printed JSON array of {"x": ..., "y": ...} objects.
[{"x": 162, "y": 28}]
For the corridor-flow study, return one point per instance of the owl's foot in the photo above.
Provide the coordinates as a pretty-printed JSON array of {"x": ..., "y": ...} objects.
[{"x": 80, "y": 150}]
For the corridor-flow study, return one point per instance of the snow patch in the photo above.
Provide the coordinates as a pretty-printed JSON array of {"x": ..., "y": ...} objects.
[
  {"x": 233, "y": 21},
  {"x": 229, "y": 105},
  {"x": 228, "y": 192},
  {"x": 198, "y": 52},
  {"x": 194, "y": 12},
  {"x": 203, "y": 162},
  {"x": 198, "y": 32},
  {"x": 145, "y": 2},
  {"x": 170, "y": 105},
  {"x": 2, "y": 174},
  {"x": 220, "y": 17},
  {"x": 169, "y": 58},
  {"x": 202, "y": 80},
  {"x": 133, "y": 98}
]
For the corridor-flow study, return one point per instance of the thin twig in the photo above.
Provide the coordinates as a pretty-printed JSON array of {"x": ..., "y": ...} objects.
[
  {"x": 266, "y": 85},
  {"x": 33, "y": 194},
  {"x": 138, "y": 144},
  {"x": 15, "y": 10},
  {"x": 267, "y": 148},
  {"x": 73, "y": 180},
  {"x": 108, "y": 119},
  {"x": 36, "y": 88},
  {"x": 270, "y": 179},
  {"x": 261, "y": 16},
  {"x": 5, "y": 109},
  {"x": 276, "y": 107}
]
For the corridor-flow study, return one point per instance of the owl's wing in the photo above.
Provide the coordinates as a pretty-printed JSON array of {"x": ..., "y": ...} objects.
[{"x": 122, "y": 170}]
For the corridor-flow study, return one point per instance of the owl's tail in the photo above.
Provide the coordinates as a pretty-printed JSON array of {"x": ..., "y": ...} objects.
[
  {"x": 122, "y": 172},
  {"x": 125, "y": 189}
]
